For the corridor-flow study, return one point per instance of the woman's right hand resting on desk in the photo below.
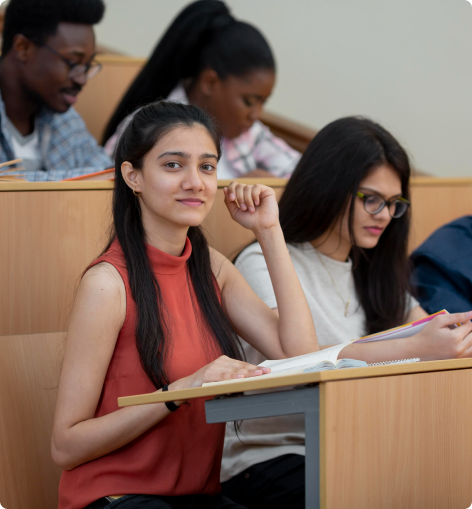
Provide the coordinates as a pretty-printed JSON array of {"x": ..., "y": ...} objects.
[
  {"x": 223, "y": 368},
  {"x": 435, "y": 342}
]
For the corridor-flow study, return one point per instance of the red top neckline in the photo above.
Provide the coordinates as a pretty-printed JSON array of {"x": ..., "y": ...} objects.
[
  {"x": 161, "y": 262},
  {"x": 164, "y": 263}
]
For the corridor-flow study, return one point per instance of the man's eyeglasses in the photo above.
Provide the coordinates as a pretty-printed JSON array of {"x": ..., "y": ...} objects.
[
  {"x": 75, "y": 70},
  {"x": 373, "y": 204}
]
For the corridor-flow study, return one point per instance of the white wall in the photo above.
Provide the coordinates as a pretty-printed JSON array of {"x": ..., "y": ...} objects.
[{"x": 405, "y": 63}]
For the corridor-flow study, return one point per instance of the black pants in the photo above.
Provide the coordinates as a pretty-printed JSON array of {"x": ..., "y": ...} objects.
[
  {"x": 154, "y": 502},
  {"x": 275, "y": 484}
]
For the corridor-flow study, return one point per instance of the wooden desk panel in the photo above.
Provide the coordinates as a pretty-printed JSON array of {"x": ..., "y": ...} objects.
[
  {"x": 400, "y": 441},
  {"x": 50, "y": 231},
  {"x": 46, "y": 241},
  {"x": 436, "y": 202},
  {"x": 99, "y": 99},
  {"x": 50, "y": 237},
  {"x": 29, "y": 375}
]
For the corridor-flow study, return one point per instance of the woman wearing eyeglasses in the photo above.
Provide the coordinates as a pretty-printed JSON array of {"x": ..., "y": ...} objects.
[{"x": 345, "y": 218}]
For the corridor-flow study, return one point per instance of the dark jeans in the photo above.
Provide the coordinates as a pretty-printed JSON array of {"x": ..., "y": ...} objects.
[
  {"x": 155, "y": 502},
  {"x": 277, "y": 483}
]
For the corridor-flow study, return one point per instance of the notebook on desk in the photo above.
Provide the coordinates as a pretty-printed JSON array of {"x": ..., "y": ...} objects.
[{"x": 327, "y": 359}]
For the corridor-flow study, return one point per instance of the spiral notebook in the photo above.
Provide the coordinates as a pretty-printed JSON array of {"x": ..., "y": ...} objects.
[
  {"x": 402, "y": 361},
  {"x": 311, "y": 363},
  {"x": 327, "y": 359}
]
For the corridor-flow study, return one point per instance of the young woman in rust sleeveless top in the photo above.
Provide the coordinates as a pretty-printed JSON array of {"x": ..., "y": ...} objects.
[{"x": 160, "y": 309}]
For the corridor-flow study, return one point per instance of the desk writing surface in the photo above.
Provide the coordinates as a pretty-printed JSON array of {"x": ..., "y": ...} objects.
[{"x": 261, "y": 382}]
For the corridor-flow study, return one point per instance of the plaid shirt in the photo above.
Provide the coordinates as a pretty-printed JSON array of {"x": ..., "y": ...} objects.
[
  {"x": 257, "y": 148},
  {"x": 67, "y": 148}
]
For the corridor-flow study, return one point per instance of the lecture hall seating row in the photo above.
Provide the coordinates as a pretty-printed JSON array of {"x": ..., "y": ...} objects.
[{"x": 51, "y": 231}]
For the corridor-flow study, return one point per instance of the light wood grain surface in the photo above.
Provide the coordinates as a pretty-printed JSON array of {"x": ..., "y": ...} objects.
[
  {"x": 100, "y": 97},
  {"x": 261, "y": 382},
  {"x": 29, "y": 374},
  {"x": 435, "y": 204},
  {"x": 397, "y": 442},
  {"x": 51, "y": 231},
  {"x": 47, "y": 239}
]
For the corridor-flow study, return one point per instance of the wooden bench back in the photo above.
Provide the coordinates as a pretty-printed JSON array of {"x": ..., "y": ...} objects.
[
  {"x": 29, "y": 368},
  {"x": 50, "y": 232}
]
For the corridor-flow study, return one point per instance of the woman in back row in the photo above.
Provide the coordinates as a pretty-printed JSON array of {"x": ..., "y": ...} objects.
[
  {"x": 345, "y": 217},
  {"x": 209, "y": 59}
]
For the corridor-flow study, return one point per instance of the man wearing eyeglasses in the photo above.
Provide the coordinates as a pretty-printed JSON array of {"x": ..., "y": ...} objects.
[{"x": 47, "y": 57}]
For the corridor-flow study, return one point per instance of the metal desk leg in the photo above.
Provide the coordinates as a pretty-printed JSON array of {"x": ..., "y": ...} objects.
[
  {"x": 312, "y": 456},
  {"x": 301, "y": 400}
]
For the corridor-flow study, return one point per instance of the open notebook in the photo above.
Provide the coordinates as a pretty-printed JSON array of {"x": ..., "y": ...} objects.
[
  {"x": 327, "y": 359},
  {"x": 323, "y": 360}
]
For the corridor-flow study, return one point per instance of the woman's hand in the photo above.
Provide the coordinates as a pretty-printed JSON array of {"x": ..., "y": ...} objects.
[
  {"x": 252, "y": 206},
  {"x": 223, "y": 368},
  {"x": 438, "y": 341}
]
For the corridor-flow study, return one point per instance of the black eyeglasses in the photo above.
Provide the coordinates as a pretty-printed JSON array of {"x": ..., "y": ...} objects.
[
  {"x": 75, "y": 70},
  {"x": 373, "y": 204}
]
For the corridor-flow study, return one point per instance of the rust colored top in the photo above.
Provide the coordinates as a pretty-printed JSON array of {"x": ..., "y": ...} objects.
[{"x": 181, "y": 455}]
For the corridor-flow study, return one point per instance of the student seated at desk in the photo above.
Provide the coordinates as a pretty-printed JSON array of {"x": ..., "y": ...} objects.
[
  {"x": 209, "y": 59},
  {"x": 157, "y": 311},
  {"x": 345, "y": 218},
  {"x": 443, "y": 269},
  {"x": 47, "y": 56}
]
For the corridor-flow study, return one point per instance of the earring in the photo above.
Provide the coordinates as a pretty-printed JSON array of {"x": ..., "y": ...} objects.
[{"x": 136, "y": 193}]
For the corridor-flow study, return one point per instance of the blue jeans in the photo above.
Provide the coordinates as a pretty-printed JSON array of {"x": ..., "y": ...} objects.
[{"x": 155, "y": 502}]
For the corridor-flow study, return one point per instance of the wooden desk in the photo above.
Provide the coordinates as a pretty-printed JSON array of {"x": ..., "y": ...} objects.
[
  {"x": 385, "y": 437},
  {"x": 51, "y": 231}
]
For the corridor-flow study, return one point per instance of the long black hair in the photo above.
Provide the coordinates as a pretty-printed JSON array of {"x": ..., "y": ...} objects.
[
  {"x": 204, "y": 35},
  {"x": 319, "y": 192},
  {"x": 153, "y": 330}
]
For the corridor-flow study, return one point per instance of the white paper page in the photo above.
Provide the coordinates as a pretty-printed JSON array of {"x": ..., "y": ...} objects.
[{"x": 328, "y": 354}]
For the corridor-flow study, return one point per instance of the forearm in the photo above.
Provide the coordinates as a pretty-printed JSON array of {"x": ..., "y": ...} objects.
[
  {"x": 380, "y": 351},
  {"x": 296, "y": 329},
  {"x": 96, "y": 437}
]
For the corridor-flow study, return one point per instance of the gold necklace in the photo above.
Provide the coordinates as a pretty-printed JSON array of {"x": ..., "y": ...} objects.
[{"x": 345, "y": 302}]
